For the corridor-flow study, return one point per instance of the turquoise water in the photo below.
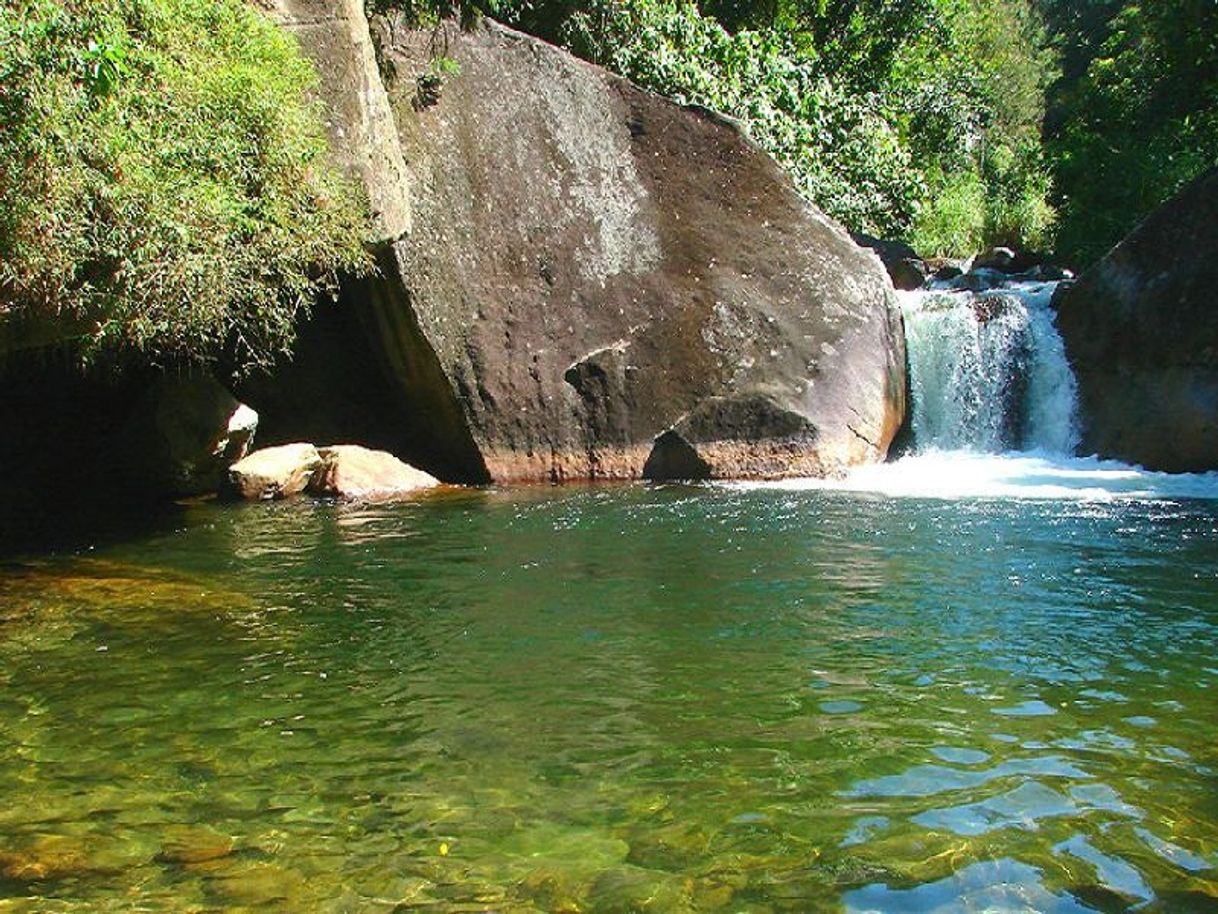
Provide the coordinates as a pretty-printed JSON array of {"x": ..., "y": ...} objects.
[{"x": 621, "y": 699}]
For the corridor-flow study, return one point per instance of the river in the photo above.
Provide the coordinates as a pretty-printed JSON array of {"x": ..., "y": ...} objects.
[{"x": 981, "y": 680}]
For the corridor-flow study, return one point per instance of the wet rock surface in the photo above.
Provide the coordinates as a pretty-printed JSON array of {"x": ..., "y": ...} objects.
[{"x": 274, "y": 472}]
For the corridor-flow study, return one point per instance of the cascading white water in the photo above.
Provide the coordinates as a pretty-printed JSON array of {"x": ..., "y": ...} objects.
[
  {"x": 994, "y": 410},
  {"x": 988, "y": 371}
]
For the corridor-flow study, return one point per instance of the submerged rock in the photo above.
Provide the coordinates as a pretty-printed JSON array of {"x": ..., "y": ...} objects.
[
  {"x": 351, "y": 471},
  {"x": 1141, "y": 330},
  {"x": 193, "y": 844},
  {"x": 593, "y": 269},
  {"x": 51, "y": 857},
  {"x": 274, "y": 472}
]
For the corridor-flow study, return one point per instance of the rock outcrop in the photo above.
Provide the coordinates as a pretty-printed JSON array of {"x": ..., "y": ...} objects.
[
  {"x": 363, "y": 137},
  {"x": 602, "y": 284},
  {"x": 1141, "y": 330},
  {"x": 906, "y": 269},
  {"x": 351, "y": 471},
  {"x": 198, "y": 431}
]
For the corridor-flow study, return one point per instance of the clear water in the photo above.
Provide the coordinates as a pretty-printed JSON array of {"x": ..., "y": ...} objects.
[{"x": 627, "y": 699}]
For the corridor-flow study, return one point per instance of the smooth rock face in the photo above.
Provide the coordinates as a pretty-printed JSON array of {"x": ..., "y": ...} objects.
[
  {"x": 604, "y": 284},
  {"x": 1141, "y": 329},
  {"x": 351, "y": 471},
  {"x": 274, "y": 472}
]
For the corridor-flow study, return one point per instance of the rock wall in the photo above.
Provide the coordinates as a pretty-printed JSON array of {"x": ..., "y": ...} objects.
[
  {"x": 334, "y": 35},
  {"x": 1141, "y": 330},
  {"x": 602, "y": 284}
]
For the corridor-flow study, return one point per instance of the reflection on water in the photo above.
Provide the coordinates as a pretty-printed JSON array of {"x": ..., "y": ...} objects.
[{"x": 625, "y": 699}]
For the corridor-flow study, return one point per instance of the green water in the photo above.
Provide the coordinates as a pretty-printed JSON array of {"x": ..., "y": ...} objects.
[{"x": 627, "y": 699}]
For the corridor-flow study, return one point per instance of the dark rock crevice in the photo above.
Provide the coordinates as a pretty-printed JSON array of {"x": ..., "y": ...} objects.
[
  {"x": 438, "y": 439},
  {"x": 673, "y": 459}
]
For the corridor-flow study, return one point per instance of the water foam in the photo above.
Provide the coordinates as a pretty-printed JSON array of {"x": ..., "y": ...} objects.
[
  {"x": 1029, "y": 475},
  {"x": 995, "y": 410}
]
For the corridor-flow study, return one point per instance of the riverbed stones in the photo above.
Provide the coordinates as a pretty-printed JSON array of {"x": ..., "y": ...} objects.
[
  {"x": 351, "y": 471},
  {"x": 1141, "y": 331},
  {"x": 592, "y": 267},
  {"x": 52, "y": 857},
  {"x": 347, "y": 471},
  {"x": 194, "y": 844},
  {"x": 274, "y": 472}
]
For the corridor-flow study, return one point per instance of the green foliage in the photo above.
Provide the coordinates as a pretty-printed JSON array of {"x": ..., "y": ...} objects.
[
  {"x": 164, "y": 186},
  {"x": 838, "y": 146},
  {"x": 873, "y": 106},
  {"x": 1136, "y": 120},
  {"x": 951, "y": 217}
]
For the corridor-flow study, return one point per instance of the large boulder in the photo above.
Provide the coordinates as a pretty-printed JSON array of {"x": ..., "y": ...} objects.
[
  {"x": 600, "y": 283},
  {"x": 274, "y": 472},
  {"x": 351, "y": 471},
  {"x": 1141, "y": 330}
]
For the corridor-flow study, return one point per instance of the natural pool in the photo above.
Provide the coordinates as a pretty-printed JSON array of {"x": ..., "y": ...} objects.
[{"x": 620, "y": 699}]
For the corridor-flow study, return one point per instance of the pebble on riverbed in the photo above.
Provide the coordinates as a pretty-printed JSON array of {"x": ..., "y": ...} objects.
[{"x": 188, "y": 844}]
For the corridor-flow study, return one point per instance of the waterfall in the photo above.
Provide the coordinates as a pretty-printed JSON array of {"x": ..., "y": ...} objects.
[
  {"x": 994, "y": 409},
  {"x": 988, "y": 371}
]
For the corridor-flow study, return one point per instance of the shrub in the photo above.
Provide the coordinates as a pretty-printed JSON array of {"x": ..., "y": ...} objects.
[
  {"x": 951, "y": 219},
  {"x": 164, "y": 185},
  {"x": 1138, "y": 123}
]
